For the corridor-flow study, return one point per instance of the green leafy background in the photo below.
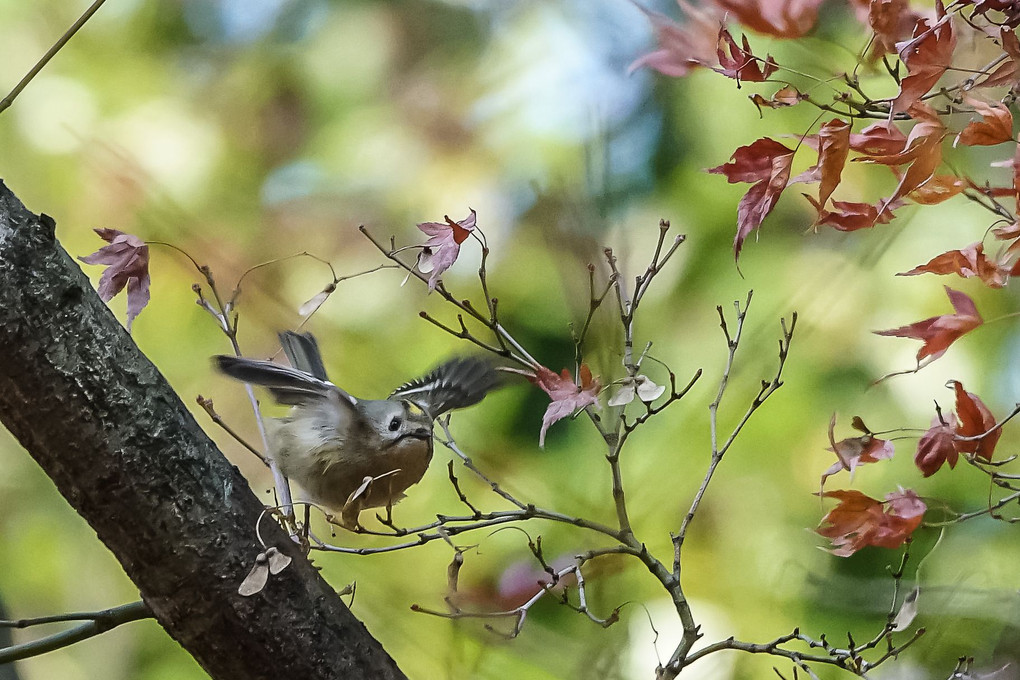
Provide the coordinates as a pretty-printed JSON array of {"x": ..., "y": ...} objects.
[{"x": 245, "y": 131}]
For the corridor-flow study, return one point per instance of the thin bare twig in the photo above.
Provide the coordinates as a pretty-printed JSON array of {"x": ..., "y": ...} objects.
[
  {"x": 96, "y": 623},
  {"x": 50, "y": 53},
  {"x": 207, "y": 406}
]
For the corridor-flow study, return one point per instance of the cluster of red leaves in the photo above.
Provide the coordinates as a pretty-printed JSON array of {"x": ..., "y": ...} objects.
[
  {"x": 925, "y": 44},
  {"x": 859, "y": 520},
  {"x": 970, "y": 430},
  {"x": 566, "y": 396},
  {"x": 910, "y": 143},
  {"x": 127, "y": 265},
  {"x": 699, "y": 40}
]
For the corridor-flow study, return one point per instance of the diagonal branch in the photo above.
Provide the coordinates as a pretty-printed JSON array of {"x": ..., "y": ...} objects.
[{"x": 126, "y": 453}]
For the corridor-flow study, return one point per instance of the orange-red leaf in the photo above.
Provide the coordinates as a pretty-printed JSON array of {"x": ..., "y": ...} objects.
[
  {"x": 740, "y": 63},
  {"x": 995, "y": 127},
  {"x": 937, "y": 446},
  {"x": 767, "y": 163},
  {"x": 922, "y": 149},
  {"x": 878, "y": 139},
  {"x": 939, "y": 188},
  {"x": 974, "y": 420},
  {"x": 926, "y": 55},
  {"x": 854, "y": 451},
  {"x": 833, "y": 147},
  {"x": 681, "y": 47},
  {"x": 969, "y": 262},
  {"x": 851, "y": 215},
  {"x": 939, "y": 332},
  {"x": 1006, "y": 72},
  {"x": 566, "y": 396},
  {"x": 859, "y": 520},
  {"x": 779, "y": 18}
]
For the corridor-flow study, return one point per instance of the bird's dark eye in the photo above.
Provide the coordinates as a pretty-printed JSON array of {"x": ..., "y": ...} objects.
[{"x": 395, "y": 424}]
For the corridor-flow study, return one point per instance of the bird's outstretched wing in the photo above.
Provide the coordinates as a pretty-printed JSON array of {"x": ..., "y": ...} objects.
[
  {"x": 303, "y": 383},
  {"x": 303, "y": 353},
  {"x": 460, "y": 382}
]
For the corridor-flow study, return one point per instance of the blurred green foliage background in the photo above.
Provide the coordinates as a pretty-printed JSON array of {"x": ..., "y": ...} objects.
[{"x": 243, "y": 131}]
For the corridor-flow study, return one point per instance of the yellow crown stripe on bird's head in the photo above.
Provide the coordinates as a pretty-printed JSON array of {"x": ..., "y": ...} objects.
[{"x": 414, "y": 409}]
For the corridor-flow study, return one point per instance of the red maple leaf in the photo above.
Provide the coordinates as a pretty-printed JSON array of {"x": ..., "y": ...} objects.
[
  {"x": 922, "y": 149},
  {"x": 859, "y": 520},
  {"x": 767, "y": 163},
  {"x": 740, "y": 63},
  {"x": 969, "y": 262},
  {"x": 681, "y": 47},
  {"x": 939, "y": 188},
  {"x": 1006, "y": 72},
  {"x": 995, "y": 126},
  {"x": 970, "y": 430},
  {"x": 937, "y": 446},
  {"x": 926, "y": 55},
  {"x": 851, "y": 215},
  {"x": 440, "y": 252},
  {"x": 566, "y": 395},
  {"x": 779, "y": 18},
  {"x": 975, "y": 420},
  {"x": 854, "y": 451},
  {"x": 891, "y": 20},
  {"x": 833, "y": 144},
  {"x": 939, "y": 332},
  {"x": 127, "y": 261},
  {"x": 878, "y": 139}
]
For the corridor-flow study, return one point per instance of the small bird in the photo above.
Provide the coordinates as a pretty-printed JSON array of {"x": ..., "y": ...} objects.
[{"x": 350, "y": 454}]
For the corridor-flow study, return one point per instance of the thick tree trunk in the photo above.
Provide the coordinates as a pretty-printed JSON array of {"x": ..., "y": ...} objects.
[{"x": 126, "y": 453}]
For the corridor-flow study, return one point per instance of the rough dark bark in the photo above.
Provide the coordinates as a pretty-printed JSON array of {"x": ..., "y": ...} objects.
[{"x": 125, "y": 452}]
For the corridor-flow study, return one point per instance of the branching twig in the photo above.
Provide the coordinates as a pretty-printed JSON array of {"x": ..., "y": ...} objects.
[
  {"x": 96, "y": 624},
  {"x": 207, "y": 406}
]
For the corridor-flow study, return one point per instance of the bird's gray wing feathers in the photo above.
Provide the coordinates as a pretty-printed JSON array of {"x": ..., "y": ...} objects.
[
  {"x": 455, "y": 384},
  {"x": 303, "y": 353},
  {"x": 288, "y": 385}
]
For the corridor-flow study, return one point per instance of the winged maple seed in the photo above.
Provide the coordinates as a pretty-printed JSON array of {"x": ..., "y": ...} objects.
[{"x": 785, "y": 96}]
